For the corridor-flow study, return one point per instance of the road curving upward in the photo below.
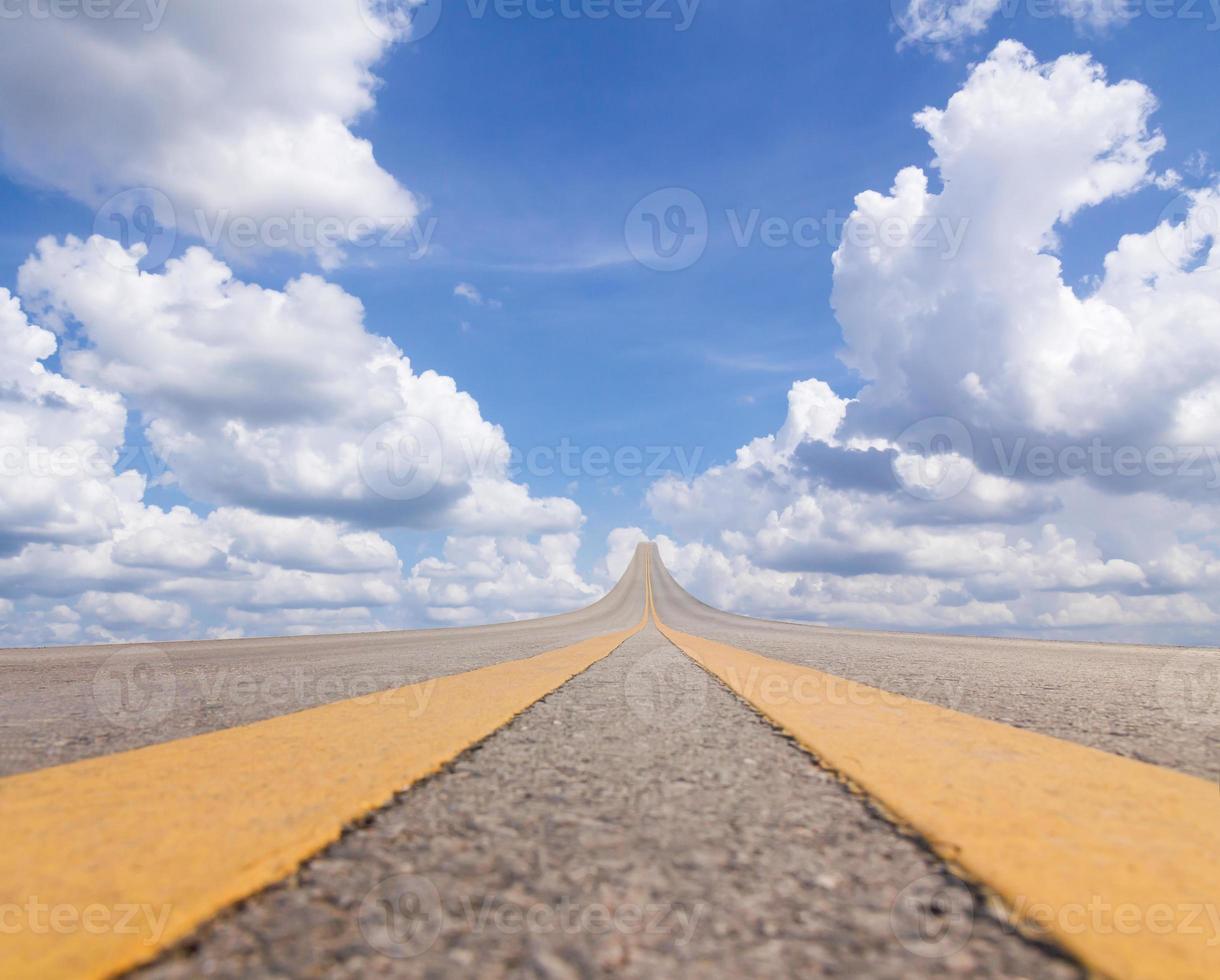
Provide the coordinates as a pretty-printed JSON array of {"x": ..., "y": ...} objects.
[
  {"x": 669, "y": 789},
  {"x": 61, "y": 704}
]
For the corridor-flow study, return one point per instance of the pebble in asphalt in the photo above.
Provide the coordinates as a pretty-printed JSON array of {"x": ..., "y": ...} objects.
[{"x": 639, "y": 822}]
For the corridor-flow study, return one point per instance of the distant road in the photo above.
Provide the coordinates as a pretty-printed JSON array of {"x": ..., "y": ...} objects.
[
  {"x": 1134, "y": 701},
  {"x": 60, "y": 704},
  {"x": 611, "y": 795}
]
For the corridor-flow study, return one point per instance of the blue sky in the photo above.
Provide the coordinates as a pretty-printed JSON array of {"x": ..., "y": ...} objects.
[
  {"x": 528, "y": 142},
  {"x": 531, "y": 140}
]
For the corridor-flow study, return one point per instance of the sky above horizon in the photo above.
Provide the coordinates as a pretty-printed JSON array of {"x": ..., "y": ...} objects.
[{"x": 352, "y": 315}]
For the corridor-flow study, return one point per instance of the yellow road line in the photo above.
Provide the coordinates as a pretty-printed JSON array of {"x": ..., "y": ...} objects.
[
  {"x": 1118, "y": 860},
  {"x": 105, "y": 861}
]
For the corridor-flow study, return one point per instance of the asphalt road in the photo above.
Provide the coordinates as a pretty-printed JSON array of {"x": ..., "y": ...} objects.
[
  {"x": 639, "y": 821},
  {"x": 61, "y": 704},
  {"x": 1155, "y": 704}
]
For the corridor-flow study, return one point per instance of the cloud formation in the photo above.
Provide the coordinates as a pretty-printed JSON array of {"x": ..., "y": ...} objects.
[
  {"x": 944, "y": 23},
  {"x": 298, "y": 436},
  {"x": 239, "y": 113},
  {"x": 1053, "y": 454}
]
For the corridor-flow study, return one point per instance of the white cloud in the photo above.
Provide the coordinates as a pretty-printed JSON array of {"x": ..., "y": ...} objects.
[
  {"x": 58, "y": 442},
  {"x": 471, "y": 295},
  {"x": 277, "y": 401},
  {"x": 979, "y": 367},
  {"x": 232, "y": 109},
  {"x": 994, "y": 337},
  {"x": 508, "y": 578},
  {"x": 944, "y": 23},
  {"x": 270, "y": 407},
  {"x": 126, "y": 611}
]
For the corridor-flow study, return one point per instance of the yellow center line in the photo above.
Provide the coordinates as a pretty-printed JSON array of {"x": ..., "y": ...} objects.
[
  {"x": 1118, "y": 860},
  {"x": 104, "y": 862}
]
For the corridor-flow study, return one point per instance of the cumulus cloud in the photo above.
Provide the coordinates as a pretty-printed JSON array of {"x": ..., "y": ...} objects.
[
  {"x": 58, "y": 441},
  {"x": 944, "y": 23},
  {"x": 280, "y": 401},
  {"x": 1017, "y": 457},
  {"x": 509, "y": 578},
  {"x": 296, "y": 434},
  {"x": 235, "y": 111}
]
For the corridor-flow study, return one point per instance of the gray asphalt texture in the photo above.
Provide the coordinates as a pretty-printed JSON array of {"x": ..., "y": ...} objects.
[
  {"x": 62, "y": 704},
  {"x": 639, "y": 822},
  {"x": 1156, "y": 704}
]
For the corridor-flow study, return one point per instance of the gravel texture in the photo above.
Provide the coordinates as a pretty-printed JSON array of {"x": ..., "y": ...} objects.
[
  {"x": 1155, "y": 704},
  {"x": 61, "y": 704},
  {"x": 639, "y": 822}
]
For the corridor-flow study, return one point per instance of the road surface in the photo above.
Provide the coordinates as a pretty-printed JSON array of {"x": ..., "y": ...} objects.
[{"x": 613, "y": 792}]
